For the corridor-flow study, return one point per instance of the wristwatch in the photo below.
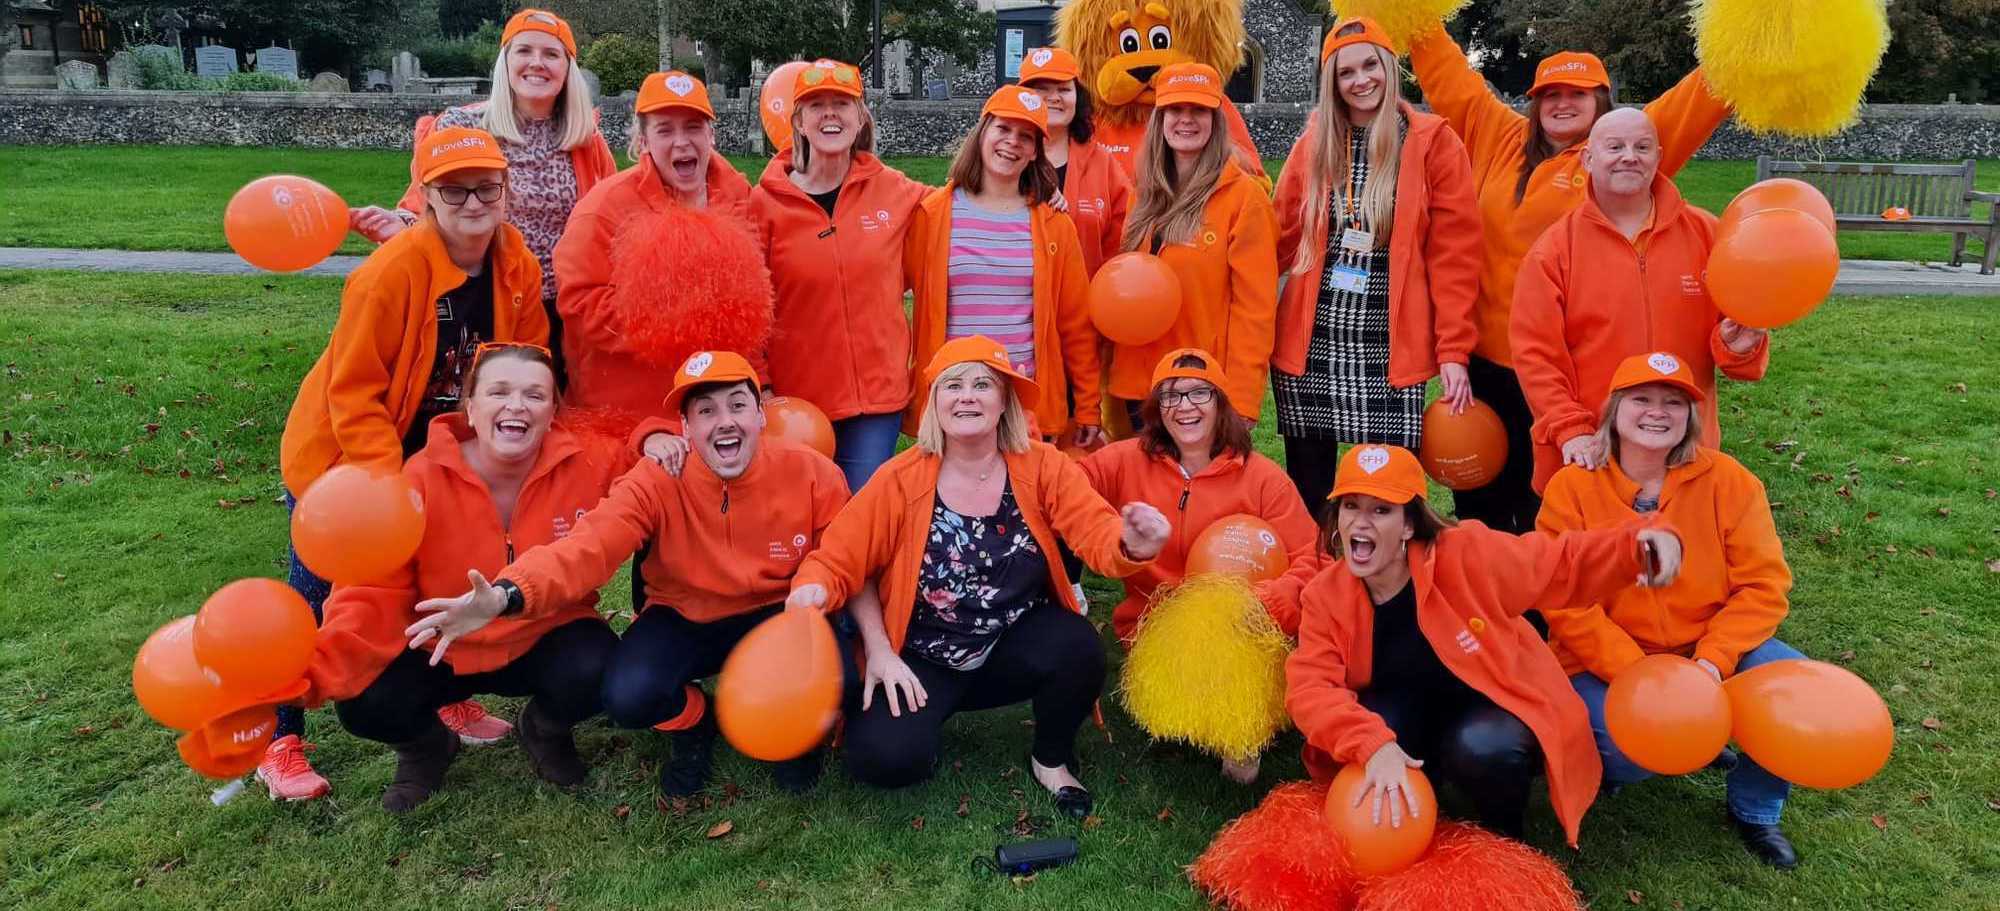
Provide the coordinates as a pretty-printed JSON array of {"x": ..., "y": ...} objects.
[{"x": 516, "y": 602}]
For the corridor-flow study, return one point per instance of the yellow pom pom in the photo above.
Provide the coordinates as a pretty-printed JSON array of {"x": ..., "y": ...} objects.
[
  {"x": 1791, "y": 66},
  {"x": 1208, "y": 668},
  {"x": 1404, "y": 20}
]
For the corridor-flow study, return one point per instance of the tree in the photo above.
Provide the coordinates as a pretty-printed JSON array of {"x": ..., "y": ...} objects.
[
  {"x": 1502, "y": 52},
  {"x": 1645, "y": 43},
  {"x": 739, "y": 31},
  {"x": 328, "y": 34},
  {"x": 462, "y": 17},
  {"x": 621, "y": 62},
  {"x": 1940, "y": 47}
]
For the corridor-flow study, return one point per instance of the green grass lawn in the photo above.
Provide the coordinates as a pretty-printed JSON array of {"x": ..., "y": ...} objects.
[
  {"x": 139, "y": 416},
  {"x": 171, "y": 197}
]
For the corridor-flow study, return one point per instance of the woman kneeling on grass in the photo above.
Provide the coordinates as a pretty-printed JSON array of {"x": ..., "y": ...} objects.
[
  {"x": 494, "y": 477},
  {"x": 1724, "y": 610},
  {"x": 959, "y": 535},
  {"x": 1412, "y": 648}
]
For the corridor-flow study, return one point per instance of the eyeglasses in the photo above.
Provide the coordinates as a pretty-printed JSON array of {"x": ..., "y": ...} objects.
[
  {"x": 454, "y": 195},
  {"x": 1199, "y": 396}
]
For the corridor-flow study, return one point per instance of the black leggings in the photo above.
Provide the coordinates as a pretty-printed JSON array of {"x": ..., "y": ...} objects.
[
  {"x": 1509, "y": 503},
  {"x": 1051, "y": 656},
  {"x": 561, "y": 671},
  {"x": 1477, "y": 747},
  {"x": 1311, "y": 464},
  {"x": 662, "y": 652}
]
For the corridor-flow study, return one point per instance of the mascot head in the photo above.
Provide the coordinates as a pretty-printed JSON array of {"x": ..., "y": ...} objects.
[{"x": 1120, "y": 44}]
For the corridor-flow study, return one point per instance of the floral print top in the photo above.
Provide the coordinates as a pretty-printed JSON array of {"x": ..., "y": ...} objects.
[{"x": 979, "y": 575}]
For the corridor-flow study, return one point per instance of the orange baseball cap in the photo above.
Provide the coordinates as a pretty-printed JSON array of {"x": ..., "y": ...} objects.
[
  {"x": 1390, "y": 473},
  {"x": 825, "y": 75},
  {"x": 1370, "y": 33},
  {"x": 705, "y": 367},
  {"x": 1207, "y": 372},
  {"x": 455, "y": 149},
  {"x": 540, "y": 20},
  {"x": 981, "y": 350},
  {"x": 673, "y": 89},
  {"x": 1187, "y": 83},
  {"x": 1016, "y": 103},
  {"x": 1048, "y": 63},
  {"x": 1574, "y": 68},
  {"x": 1656, "y": 367}
]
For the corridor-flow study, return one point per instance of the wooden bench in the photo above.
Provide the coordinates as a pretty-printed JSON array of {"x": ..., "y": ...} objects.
[{"x": 1940, "y": 198}]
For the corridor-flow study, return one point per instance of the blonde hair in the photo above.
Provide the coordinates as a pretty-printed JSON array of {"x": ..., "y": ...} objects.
[
  {"x": 1013, "y": 430},
  {"x": 864, "y": 139},
  {"x": 635, "y": 136},
  {"x": 1330, "y": 172},
  {"x": 1683, "y": 451},
  {"x": 575, "y": 115},
  {"x": 1170, "y": 206}
]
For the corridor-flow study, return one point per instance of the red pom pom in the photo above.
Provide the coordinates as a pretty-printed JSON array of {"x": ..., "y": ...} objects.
[
  {"x": 603, "y": 433},
  {"x": 1471, "y": 869},
  {"x": 687, "y": 280},
  {"x": 1277, "y": 857}
]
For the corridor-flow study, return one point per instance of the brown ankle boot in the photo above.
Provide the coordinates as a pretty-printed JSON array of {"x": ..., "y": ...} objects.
[
  {"x": 420, "y": 768},
  {"x": 551, "y": 747}
]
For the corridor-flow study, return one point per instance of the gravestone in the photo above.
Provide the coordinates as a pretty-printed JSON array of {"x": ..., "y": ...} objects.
[
  {"x": 278, "y": 61},
  {"x": 328, "y": 82},
  {"x": 76, "y": 75},
  {"x": 375, "y": 81},
  {"x": 404, "y": 68},
  {"x": 596, "y": 84},
  {"x": 122, "y": 70},
  {"x": 214, "y": 60}
]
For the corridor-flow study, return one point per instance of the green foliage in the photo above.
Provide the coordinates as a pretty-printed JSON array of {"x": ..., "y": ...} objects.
[
  {"x": 621, "y": 62},
  {"x": 465, "y": 55},
  {"x": 593, "y": 19},
  {"x": 1941, "y": 47},
  {"x": 463, "y": 17},
  {"x": 258, "y": 82},
  {"x": 776, "y": 30},
  {"x": 328, "y": 34},
  {"x": 162, "y": 73}
]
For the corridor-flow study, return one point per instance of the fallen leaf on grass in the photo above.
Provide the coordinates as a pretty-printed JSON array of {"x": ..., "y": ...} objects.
[
  {"x": 1993, "y": 566},
  {"x": 1093, "y": 821},
  {"x": 1847, "y": 656},
  {"x": 1933, "y": 724},
  {"x": 1926, "y": 611},
  {"x": 61, "y": 577},
  {"x": 1165, "y": 814},
  {"x": 1871, "y": 517},
  {"x": 1959, "y": 388},
  {"x": 1944, "y": 511},
  {"x": 1635, "y": 896},
  {"x": 1991, "y": 493},
  {"x": 917, "y": 824},
  {"x": 622, "y": 810},
  {"x": 720, "y": 829},
  {"x": 1993, "y": 804},
  {"x": 1880, "y": 822},
  {"x": 1921, "y": 798},
  {"x": 964, "y": 805},
  {"x": 1890, "y": 549}
]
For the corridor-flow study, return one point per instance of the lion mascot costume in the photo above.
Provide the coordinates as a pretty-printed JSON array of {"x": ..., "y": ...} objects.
[{"x": 1120, "y": 44}]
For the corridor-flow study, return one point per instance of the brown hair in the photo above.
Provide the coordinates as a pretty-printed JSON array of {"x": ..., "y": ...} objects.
[
  {"x": 1538, "y": 147},
  {"x": 968, "y": 167},
  {"x": 1425, "y": 524},
  {"x": 1231, "y": 438},
  {"x": 493, "y": 352},
  {"x": 1169, "y": 205},
  {"x": 700, "y": 389},
  {"x": 1683, "y": 451}
]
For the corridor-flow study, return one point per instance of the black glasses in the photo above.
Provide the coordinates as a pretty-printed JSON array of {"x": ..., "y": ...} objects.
[
  {"x": 1201, "y": 396},
  {"x": 454, "y": 195}
]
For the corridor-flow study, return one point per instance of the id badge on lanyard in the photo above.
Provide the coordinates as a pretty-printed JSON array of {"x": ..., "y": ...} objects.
[{"x": 1349, "y": 272}]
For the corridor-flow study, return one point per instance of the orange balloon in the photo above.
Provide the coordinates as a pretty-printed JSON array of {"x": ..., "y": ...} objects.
[
  {"x": 1667, "y": 715},
  {"x": 256, "y": 635},
  {"x": 232, "y": 745},
  {"x": 1811, "y": 723},
  {"x": 1241, "y": 544},
  {"x": 1463, "y": 451},
  {"x": 173, "y": 688},
  {"x": 1778, "y": 193},
  {"x": 1134, "y": 298},
  {"x": 1774, "y": 267},
  {"x": 1376, "y": 850},
  {"x": 774, "y": 106},
  {"x": 284, "y": 223},
  {"x": 779, "y": 691},
  {"x": 797, "y": 421},
  {"x": 355, "y": 525}
]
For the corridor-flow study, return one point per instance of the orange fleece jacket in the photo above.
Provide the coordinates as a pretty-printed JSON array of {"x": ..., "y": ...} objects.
[
  {"x": 1434, "y": 249},
  {"x": 1066, "y": 366},
  {"x": 839, "y": 338},
  {"x": 1099, "y": 193},
  {"x": 1587, "y": 299},
  {"x": 1495, "y": 136},
  {"x": 1472, "y": 585},
  {"x": 363, "y": 627},
  {"x": 359, "y": 398},
  {"x": 1229, "y": 296},
  {"x": 592, "y": 161},
  {"x": 880, "y": 535},
  {"x": 1123, "y": 473},
  {"x": 1730, "y": 595}
]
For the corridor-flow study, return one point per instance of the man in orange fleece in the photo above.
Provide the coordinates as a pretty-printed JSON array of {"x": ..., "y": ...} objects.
[
  {"x": 723, "y": 541},
  {"x": 1621, "y": 275}
]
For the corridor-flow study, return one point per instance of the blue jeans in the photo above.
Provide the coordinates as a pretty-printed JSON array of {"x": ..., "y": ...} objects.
[
  {"x": 1755, "y": 795},
  {"x": 291, "y": 718},
  {"x": 862, "y": 443}
]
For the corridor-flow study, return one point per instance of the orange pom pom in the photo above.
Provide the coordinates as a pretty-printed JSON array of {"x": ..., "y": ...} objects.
[
  {"x": 1278, "y": 856},
  {"x": 687, "y": 280},
  {"x": 1471, "y": 869},
  {"x": 604, "y": 433}
]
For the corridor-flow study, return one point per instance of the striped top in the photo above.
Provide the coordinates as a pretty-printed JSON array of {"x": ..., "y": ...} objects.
[{"x": 990, "y": 279}]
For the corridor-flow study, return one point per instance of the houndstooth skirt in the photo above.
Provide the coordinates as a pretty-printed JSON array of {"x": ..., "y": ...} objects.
[{"x": 1344, "y": 394}]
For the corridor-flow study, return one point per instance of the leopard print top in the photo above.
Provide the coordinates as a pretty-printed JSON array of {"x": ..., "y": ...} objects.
[{"x": 541, "y": 186}]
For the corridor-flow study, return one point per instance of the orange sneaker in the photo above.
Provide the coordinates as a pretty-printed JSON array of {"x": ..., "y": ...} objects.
[
  {"x": 473, "y": 725},
  {"x": 286, "y": 773}
]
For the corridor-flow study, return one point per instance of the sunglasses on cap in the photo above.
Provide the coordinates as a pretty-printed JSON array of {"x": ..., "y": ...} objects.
[
  {"x": 486, "y": 348},
  {"x": 842, "y": 75}
]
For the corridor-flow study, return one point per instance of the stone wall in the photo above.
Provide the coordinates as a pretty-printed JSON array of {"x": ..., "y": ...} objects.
[{"x": 383, "y": 121}]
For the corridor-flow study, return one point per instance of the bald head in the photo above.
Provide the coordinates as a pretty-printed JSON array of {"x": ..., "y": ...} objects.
[{"x": 1623, "y": 153}]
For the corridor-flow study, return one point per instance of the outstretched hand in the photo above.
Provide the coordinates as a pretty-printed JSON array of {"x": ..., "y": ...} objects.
[{"x": 450, "y": 618}]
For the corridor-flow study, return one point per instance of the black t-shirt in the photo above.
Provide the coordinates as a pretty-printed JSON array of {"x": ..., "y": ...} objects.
[
  {"x": 826, "y": 200},
  {"x": 1062, "y": 175},
  {"x": 464, "y": 321},
  {"x": 1405, "y": 662}
]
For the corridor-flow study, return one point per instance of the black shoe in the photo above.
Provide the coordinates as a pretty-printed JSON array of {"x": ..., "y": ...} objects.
[
  {"x": 420, "y": 768},
  {"x": 694, "y": 755},
  {"x": 1724, "y": 761},
  {"x": 797, "y": 776},
  {"x": 1766, "y": 843},
  {"x": 1070, "y": 800},
  {"x": 551, "y": 747}
]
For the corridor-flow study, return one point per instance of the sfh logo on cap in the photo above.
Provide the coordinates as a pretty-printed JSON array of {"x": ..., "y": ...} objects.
[
  {"x": 1663, "y": 362},
  {"x": 1574, "y": 66},
  {"x": 699, "y": 363},
  {"x": 1031, "y": 100},
  {"x": 1188, "y": 78},
  {"x": 463, "y": 142},
  {"x": 1372, "y": 459},
  {"x": 680, "y": 84},
  {"x": 1041, "y": 56}
]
